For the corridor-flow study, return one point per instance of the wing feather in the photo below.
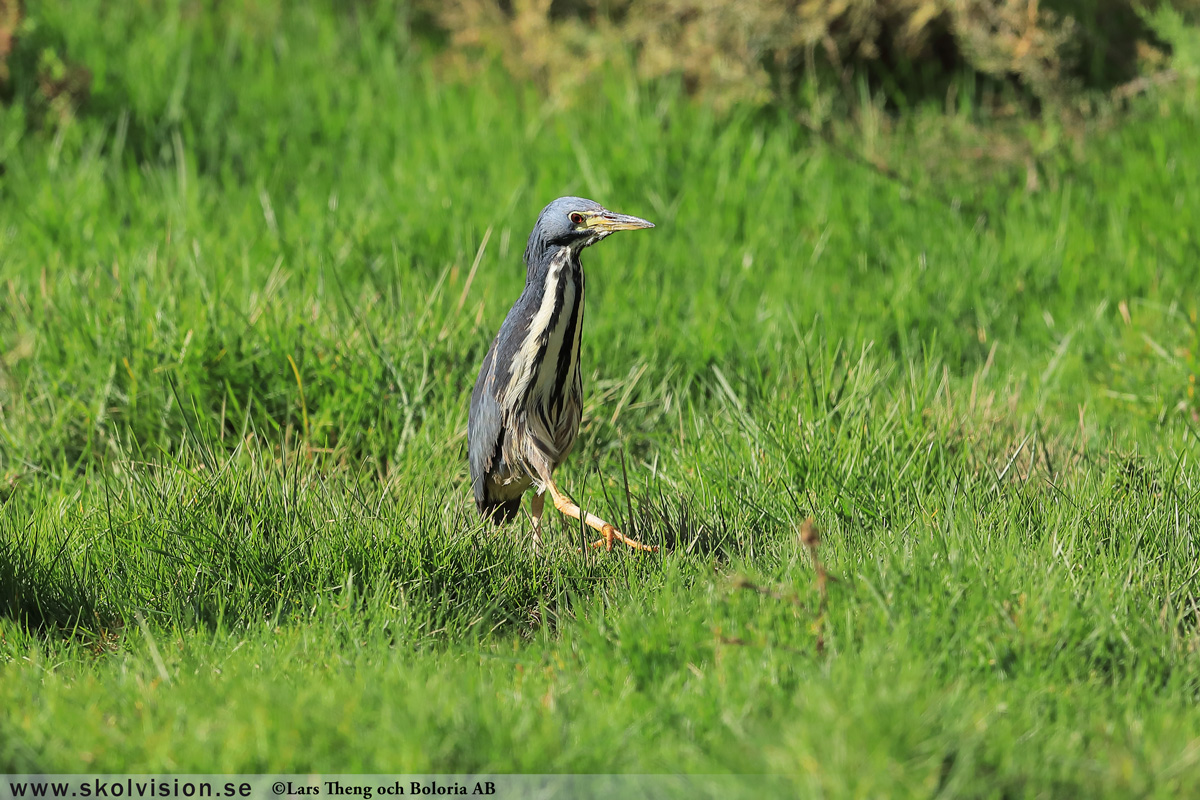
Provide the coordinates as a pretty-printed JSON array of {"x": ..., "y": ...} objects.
[{"x": 485, "y": 433}]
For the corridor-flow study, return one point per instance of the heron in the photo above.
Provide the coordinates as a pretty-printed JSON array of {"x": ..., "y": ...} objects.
[{"x": 528, "y": 398}]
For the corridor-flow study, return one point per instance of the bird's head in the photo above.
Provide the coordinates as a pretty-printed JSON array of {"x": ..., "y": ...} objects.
[{"x": 576, "y": 223}]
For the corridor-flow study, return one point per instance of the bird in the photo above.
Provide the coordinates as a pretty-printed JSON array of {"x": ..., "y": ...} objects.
[{"x": 528, "y": 399}]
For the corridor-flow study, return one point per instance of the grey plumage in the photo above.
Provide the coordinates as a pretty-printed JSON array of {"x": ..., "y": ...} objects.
[{"x": 528, "y": 398}]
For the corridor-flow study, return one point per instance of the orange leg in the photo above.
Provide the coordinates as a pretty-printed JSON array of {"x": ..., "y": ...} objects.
[{"x": 564, "y": 504}]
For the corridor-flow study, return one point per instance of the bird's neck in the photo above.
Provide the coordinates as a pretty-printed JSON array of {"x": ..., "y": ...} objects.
[
  {"x": 546, "y": 364},
  {"x": 558, "y": 270},
  {"x": 549, "y": 258}
]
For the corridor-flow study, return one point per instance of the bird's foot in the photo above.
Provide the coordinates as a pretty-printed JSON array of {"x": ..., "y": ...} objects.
[{"x": 611, "y": 534}]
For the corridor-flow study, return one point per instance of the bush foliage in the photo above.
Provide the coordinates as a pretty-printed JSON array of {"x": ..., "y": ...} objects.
[
  {"x": 750, "y": 52},
  {"x": 758, "y": 51},
  {"x": 10, "y": 16}
]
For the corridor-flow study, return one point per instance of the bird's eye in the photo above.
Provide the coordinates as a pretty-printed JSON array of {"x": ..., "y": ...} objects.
[{"x": 576, "y": 218}]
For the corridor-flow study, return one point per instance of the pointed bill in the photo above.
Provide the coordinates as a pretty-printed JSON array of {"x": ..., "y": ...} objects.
[{"x": 608, "y": 221}]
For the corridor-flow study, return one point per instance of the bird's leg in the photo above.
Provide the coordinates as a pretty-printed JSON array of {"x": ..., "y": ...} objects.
[
  {"x": 564, "y": 504},
  {"x": 536, "y": 504}
]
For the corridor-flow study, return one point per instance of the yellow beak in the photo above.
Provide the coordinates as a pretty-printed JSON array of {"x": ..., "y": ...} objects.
[{"x": 608, "y": 221}]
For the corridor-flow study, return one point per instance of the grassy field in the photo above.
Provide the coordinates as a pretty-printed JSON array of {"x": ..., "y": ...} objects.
[{"x": 243, "y": 296}]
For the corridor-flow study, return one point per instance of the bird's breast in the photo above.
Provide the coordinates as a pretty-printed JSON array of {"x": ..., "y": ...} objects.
[{"x": 545, "y": 377}]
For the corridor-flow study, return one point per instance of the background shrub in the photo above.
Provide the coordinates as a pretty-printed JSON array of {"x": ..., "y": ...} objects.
[{"x": 759, "y": 51}]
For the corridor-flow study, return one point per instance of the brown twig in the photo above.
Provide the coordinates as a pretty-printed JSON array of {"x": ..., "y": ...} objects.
[
  {"x": 742, "y": 582},
  {"x": 1144, "y": 84},
  {"x": 737, "y": 641},
  {"x": 810, "y": 537}
]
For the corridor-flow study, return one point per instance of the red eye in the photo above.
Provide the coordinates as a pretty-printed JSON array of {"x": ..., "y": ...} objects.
[{"x": 576, "y": 218}]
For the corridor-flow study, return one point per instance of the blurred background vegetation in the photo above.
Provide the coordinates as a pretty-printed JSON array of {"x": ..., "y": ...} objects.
[
  {"x": 1061, "y": 52},
  {"x": 839, "y": 67},
  {"x": 1065, "y": 57}
]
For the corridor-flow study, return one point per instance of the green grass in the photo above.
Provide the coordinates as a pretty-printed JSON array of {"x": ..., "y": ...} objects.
[{"x": 237, "y": 339}]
